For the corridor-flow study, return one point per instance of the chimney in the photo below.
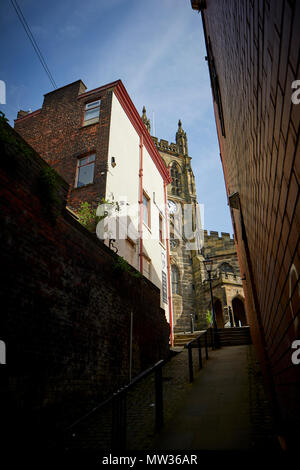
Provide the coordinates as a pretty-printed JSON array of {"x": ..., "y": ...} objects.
[{"x": 22, "y": 113}]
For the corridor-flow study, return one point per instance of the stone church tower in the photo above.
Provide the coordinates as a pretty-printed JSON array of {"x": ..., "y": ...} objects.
[
  {"x": 181, "y": 192},
  {"x": 190, "y": 287}
]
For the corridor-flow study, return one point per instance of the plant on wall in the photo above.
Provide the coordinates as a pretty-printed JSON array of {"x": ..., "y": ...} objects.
[
  {"x": 121, "y": 265},
  {"x": 47, "y": 188},
  {"x": 208, "y": 318},
  {"x": 87, "y": 215}
]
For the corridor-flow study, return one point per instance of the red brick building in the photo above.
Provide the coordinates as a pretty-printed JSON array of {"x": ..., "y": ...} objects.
[
  {"x": 98, "y": 143},
  {"x": 253, "y": 60}
]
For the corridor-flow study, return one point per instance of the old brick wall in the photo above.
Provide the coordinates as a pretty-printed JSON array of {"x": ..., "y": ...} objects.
[
  {"x": 57, "y": 134},
  {"x": 253, "y": 48},
  {"x": 66, "y": 319}
]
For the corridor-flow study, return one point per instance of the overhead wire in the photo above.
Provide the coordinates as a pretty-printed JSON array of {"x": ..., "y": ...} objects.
[{"x": 33, "y": 41}]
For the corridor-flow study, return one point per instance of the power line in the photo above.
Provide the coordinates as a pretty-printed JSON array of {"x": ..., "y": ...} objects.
[{"x": 33, "y": 41}]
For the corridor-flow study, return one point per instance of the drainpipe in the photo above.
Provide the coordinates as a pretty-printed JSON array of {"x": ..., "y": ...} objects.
[
  {"x": 141, "y": 203},
  {"x": 168, "y": 267}
]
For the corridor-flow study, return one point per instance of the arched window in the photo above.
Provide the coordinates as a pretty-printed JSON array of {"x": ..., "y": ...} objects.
[
  {"x": 176, "y": 177},
  {"x": 226, "y": 268},
  {"x": 175, "y": 279}
]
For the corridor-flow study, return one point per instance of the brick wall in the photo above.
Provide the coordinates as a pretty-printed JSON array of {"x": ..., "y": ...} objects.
[
  {"x": 254, "y": 48},
  {"x": 66, "y": 319},
  {"x": 56, "y": 133}
]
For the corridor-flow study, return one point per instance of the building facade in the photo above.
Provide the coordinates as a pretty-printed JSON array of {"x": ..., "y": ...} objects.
[
  {"x": 253, "y": 59},
  {"x": 181, "y": 192},
  {"x": 98, "y": 143},
  {"x": 190, "y": 244},
  {"x": 227, "y": 288}
]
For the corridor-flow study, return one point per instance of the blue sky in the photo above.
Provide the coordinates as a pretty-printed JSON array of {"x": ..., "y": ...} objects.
[{"x": 155, "y": 47}]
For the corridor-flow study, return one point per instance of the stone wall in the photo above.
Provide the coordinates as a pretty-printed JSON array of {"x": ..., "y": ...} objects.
[
  {"x": 66, "y": 319},
  {"x": 226, "y": 285}
]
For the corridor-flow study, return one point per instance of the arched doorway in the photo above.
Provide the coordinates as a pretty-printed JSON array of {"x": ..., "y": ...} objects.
[
  {"x": 219, "y": 313},
  {"x": 239, "y": 315}
]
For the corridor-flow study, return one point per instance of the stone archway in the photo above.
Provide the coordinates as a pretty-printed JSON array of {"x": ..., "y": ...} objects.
[
  {"x": 239, "y": 314},
  {"x": 218, "y": 309}
]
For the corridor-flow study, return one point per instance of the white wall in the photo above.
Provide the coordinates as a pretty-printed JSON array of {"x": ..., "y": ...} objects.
[
  {"x": 153, "y": 186},
  {"x": 123, "y": 182},
  {"x": 123, "y": 179}
]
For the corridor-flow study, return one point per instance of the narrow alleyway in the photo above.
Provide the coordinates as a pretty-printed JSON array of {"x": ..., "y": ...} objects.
[{"x": 225, "y": 408}]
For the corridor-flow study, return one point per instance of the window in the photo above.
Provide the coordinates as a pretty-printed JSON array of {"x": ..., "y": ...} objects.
[
  {"x": 92, "y": 111},
  {"x": 226, "y": 268},
  {"x": 146, "y": 209},
  {"x": 85, "y": 170},
  {"x": 175, "y": 279},
  {"x": 176, "y": 177},
  {"x": 161, "y": 230}
]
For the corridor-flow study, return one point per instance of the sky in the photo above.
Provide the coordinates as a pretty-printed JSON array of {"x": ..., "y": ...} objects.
[{"x": 155, "y": 47}]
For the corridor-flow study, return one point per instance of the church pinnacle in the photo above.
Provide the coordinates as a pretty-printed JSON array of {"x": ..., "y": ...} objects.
[
  {"x": 145, "y": 120},
  {"x": 181, "y": 139}
]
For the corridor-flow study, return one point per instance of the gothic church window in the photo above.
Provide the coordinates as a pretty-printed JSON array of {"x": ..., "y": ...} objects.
[
  {"x": 175, "y": 279},
  {"x": 226, "y": 268},
  {"x": 176, "y": 177}
]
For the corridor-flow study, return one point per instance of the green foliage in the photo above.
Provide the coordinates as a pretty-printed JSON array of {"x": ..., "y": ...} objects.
[
  {"x": 3, "y": 118},
  {"x": 121, "y": 265},
  {"x": 208, "y": 318},
  {"x": 87, "y": 215},
  {"x": 48, "y": 192},
  {"x": 7, "y": 136}
]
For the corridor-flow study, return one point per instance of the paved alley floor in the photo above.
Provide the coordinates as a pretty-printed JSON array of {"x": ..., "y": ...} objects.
[{"x": 225, "y": 408}]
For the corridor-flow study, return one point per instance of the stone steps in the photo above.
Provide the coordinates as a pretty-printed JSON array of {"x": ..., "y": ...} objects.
[
  {"x": 227, "y": 337},
  {"x": 234, "y": 336},
  {"x": 180, "y": 339}
]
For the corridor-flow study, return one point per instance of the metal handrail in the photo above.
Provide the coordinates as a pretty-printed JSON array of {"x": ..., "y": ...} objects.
[
  {"x": 188, "y": 346},
  {"x": 118, "y": 399}
]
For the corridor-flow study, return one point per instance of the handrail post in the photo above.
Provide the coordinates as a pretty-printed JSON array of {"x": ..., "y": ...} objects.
[
  {"x": 159, "y": 410},
  {"x": 191, "y": 364},
  {"x": 119, "y": 424},
  {"x": 206, "y": 348},
  {"x": 199, "y": 352},
  {"x": 212, "y": 339},
  {"x": 115, "y": 426}
]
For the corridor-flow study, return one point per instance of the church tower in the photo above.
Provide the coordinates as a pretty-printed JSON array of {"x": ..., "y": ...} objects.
[
  {"x": 190, "y": 245},
  {"x": 183, "y": 213}
]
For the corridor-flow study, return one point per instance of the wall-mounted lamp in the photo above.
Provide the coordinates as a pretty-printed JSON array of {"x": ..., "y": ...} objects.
[
  {"x": 113, "y": 162},
  {"x": 234, "y": 200}
]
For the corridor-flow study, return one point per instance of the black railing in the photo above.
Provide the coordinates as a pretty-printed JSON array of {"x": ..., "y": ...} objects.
[
  {"x": 197, "y": 343},
  {"x": 119, "y": 408},
  {"x": 117, "y": 403}
]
